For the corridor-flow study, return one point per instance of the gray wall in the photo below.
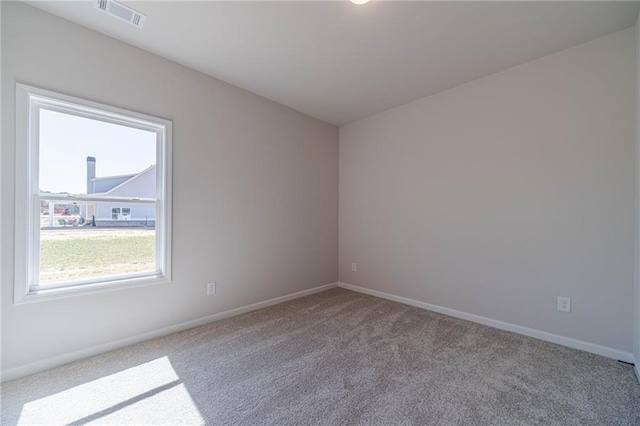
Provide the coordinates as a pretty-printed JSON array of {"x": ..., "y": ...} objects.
[
  {"x": 497, "y": 196},
  {"x": 636, "y": 310},
  {"x": 255, "y": 189}
]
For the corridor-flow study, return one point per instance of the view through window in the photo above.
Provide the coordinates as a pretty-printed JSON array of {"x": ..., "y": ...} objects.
[{"x": 80, "y": 240}]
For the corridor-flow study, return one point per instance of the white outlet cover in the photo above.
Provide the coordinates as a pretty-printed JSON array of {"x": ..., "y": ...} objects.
[
  {"x": 564, "y": 304},
  {"x": 211, "y": 288},
  {"x": 354, "y": 267}
]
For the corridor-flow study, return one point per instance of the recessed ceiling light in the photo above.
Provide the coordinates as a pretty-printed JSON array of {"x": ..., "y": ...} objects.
[{"x": 359, "y": 2}]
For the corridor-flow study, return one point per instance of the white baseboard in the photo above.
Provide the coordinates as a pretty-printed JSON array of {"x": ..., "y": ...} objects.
[
  {"x": 44, "y": 364},
  {"x": 542, "y": 335},
  {"x": 41, "y": 365}
]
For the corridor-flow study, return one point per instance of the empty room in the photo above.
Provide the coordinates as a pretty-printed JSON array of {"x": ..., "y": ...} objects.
[{"x": 342, "y": 212}]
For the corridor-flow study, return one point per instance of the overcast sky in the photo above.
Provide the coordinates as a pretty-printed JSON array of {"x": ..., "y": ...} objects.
[{"x": 67, "y": 140}]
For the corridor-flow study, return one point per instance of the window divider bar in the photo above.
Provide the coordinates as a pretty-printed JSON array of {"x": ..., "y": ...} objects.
[{"x": 92, "y": 198}]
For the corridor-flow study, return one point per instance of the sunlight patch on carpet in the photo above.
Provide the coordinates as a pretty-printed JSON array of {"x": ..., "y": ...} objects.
[{"x": 150, "y": 389}]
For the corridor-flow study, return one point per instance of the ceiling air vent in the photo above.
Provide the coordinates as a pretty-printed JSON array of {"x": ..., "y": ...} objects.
[{"x": 121, "y": 11}]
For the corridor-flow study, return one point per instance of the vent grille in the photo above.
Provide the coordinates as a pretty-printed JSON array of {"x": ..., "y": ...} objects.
[{"x": 122, "y": 12}]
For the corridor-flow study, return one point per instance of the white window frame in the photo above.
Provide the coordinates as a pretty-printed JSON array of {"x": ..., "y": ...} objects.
[{"x": 29, "y": 101}]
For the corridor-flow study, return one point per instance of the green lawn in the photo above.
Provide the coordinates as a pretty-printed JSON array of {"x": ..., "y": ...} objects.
[{"x": 88, "y": 253}]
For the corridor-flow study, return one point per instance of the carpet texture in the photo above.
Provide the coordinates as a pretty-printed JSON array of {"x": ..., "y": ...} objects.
[{"x": 333, "y": 358}]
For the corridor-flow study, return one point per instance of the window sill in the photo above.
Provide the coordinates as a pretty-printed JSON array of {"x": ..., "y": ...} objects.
[{"x": 42, "y": 294}]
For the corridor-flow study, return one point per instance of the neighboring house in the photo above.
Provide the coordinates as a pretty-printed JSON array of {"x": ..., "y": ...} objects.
[{"x": 108, "y": 213}]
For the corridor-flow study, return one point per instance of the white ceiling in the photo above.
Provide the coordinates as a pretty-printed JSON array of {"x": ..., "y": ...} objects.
[{"x": 340, "y": 62}]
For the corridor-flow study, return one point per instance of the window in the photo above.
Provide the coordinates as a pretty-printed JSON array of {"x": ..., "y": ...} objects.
[
  {"x": 123, "y": 213},
  {"x": 93, "y": 196}
]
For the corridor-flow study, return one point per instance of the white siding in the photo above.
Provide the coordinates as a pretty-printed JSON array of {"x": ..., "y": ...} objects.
[
  {"x": 142, "y": 185},
  {"x": 138, "y": 211}
]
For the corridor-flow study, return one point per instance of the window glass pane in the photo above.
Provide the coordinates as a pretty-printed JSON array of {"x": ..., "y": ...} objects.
[
  {"x": 86, "y": 156},
  {"x": 85, "y": 240},
  {"x": 73, "y": 248}
]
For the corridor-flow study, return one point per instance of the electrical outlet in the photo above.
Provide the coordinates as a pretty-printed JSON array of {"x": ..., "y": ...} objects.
[
  {"x": 354, "y": 267},
  {"x": 211, "y": 288},
  {"x": 564, "y": 304}
]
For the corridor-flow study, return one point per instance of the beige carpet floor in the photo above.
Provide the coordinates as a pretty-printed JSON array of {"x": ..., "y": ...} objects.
[{"x": 334, "y": 358}]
